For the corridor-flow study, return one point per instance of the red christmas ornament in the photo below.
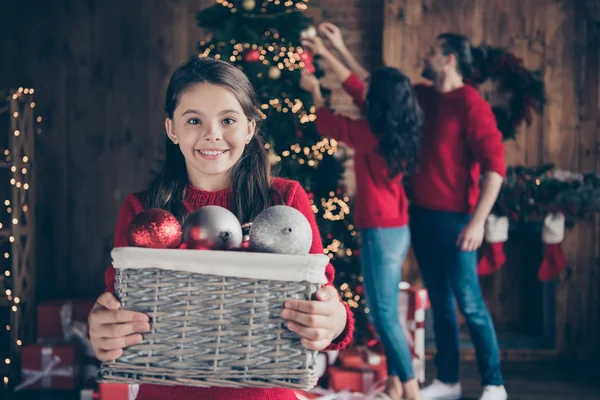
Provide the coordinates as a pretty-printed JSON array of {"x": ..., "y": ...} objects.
[
  {"x": 252, "y": 55},
  {"x": 307, "y": 58},
  {"x": 359, "y": 290},
  {"x": 154, "y": 228}
]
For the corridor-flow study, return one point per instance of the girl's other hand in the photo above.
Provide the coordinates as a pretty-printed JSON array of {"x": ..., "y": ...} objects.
[
  {"x": 318, "y": 322},
  {"x": 112, "y": 329}
]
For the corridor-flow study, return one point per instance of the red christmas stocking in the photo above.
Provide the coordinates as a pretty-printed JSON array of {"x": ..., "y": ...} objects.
[
  {"x": 496, "y": 233},
  {"x": 554, "y": 260}
]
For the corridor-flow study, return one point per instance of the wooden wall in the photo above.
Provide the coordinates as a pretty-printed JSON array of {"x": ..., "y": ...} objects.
[
  {"x": 561, "y": 38},
  {"x": 100, "y": 68}
]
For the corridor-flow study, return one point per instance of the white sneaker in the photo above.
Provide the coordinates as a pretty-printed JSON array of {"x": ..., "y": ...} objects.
[
  {"x": 439, "y": 390},
  {"x": 494, "y": 393}
]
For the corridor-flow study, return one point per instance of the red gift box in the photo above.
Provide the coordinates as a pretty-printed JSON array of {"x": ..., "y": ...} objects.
[
  {"x": 355, "y": 380},
  {"x": 376, "y": 362},
  {"x": 54, "y": 316},
  {"x": 53, "y": 366},
  {"x": 352, "y": 358},
  {"x": 359, "y": 358},
  {"x": 117, "y": 391}
]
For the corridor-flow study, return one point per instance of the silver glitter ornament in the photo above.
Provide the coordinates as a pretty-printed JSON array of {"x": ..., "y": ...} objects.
[
  {"x": 282, "y": 230},
  {"x": 212, "y": 227}
]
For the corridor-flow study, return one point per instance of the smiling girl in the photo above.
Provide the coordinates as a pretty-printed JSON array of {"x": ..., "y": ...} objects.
[{"x": 215, "y": 156}]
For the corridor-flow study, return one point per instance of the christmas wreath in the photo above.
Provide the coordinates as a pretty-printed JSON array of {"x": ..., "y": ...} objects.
[{"x": 525, "y": 87}]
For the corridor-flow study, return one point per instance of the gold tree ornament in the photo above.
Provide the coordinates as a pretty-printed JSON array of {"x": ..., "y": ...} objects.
[
  {"x": 249, "y": 5},
  {"x": 274, "y": 73}
]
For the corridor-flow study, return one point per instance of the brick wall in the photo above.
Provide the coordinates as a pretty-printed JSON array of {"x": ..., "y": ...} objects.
[{"x": 361, "y": 22}]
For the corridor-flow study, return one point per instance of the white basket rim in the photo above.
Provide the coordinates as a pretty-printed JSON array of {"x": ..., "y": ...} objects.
[{"x": 263, "y": 266}]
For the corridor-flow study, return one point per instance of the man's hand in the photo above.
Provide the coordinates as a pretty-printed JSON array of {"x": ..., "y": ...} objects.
[{"x": 471, "y": 237}]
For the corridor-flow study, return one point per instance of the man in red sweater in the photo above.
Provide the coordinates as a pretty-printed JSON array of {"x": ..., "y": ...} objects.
[
  {"x": 460, "y": 145},
  {"x": 450, "y": 205}
]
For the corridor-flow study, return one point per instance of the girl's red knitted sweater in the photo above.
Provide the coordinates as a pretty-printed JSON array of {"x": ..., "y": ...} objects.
[{"x": 293, "y": 195}]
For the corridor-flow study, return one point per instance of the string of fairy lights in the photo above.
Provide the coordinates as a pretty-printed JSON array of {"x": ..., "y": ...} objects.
[
  {"x": 20, "y": 167},
  {"x": 289, "y": 6},
  {"x": 279, "y": 57},
  {"x": 282, "y": 56}
]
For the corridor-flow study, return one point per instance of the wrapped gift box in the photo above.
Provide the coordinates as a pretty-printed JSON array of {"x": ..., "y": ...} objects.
[
  {"x": 360, "y": 357},
  {"x": 117, "y": 391},
  {"x": 53, "y": 366},
  {"x": 353, "y": 380},
  {"x": 352, "y": 358},
  {"x": 58, "y": 319},
  {"x": 412, "y": 305}
]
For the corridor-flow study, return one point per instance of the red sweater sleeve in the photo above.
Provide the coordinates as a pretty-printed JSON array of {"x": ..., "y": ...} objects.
[
  {"x": 355, "y": 133},
  {"x": 129, "y": 209},
  {"x": 483, "y": 137},
  {"x": 299, "y": 200},
  {"x": 356, "y": 89}
]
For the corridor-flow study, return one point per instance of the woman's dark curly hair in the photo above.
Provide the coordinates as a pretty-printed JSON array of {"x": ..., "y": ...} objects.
[{"x": 395, "y": 117}]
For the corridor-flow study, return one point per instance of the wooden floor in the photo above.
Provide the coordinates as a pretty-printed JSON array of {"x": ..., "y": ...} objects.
[
  {"x": 525, "y": 380},
  {"x": 535, "y": 380}
]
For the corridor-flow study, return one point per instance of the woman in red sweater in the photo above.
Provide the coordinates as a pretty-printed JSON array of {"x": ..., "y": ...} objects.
[
  {"x": 215, "y": 156},
  {"x": 386, "y": 141}
]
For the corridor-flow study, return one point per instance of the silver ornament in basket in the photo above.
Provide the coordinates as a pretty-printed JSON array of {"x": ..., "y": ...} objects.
[{"x": 215, "y": 317}]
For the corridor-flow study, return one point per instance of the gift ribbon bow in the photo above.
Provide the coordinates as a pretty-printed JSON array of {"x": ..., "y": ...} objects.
[{"x": 50, "y": 368}]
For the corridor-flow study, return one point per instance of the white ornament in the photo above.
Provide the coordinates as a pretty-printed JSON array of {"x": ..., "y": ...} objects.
[
  {"x": 281, "y": 230},
  {"x": 308, "y": 33}
]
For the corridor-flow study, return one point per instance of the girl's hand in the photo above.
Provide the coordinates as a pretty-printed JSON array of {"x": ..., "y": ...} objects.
[
  {"x": 309, "y": 82},
  {"x": 315, "y": 45},
  {"x": 317, "y": 322},
  {"x": 112, "y": 329},
  {"x": 333, "y": 33}
]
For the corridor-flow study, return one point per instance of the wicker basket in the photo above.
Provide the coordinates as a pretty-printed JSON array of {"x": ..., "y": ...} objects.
[{"x": 214, "y": 318}]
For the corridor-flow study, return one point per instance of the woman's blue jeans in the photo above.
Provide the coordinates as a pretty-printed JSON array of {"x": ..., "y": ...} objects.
[{"x": 383, "y": 251}]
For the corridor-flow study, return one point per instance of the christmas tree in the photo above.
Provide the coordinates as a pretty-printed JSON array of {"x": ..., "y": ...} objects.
[{"x": 263, "y": 39}]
